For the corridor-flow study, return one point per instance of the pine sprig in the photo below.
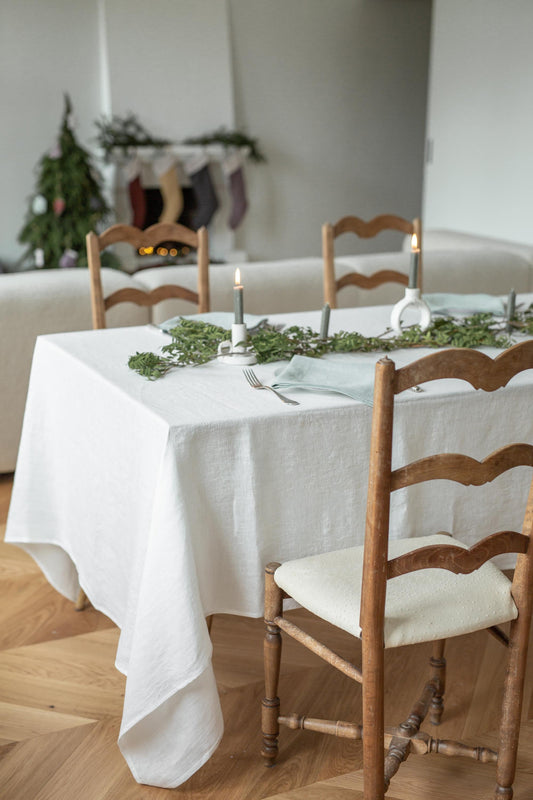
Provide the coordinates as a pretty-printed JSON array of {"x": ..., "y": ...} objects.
[
  {"x": 229, "y": 139},
  {"x": 195, "y": 343},
  {"x": 124, "y": 132}
]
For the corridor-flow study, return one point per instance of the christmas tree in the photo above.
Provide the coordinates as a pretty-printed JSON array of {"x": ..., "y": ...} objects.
[{"x": 67, "y": 204}]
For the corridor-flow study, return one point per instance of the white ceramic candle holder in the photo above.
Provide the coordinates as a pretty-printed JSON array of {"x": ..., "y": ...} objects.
[
  {"x": 412, "y": 299},
  {"x": 236, "y": 352}
]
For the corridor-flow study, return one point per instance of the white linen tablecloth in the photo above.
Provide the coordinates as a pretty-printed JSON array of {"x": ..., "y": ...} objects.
[{"x": 164, "y": 500}]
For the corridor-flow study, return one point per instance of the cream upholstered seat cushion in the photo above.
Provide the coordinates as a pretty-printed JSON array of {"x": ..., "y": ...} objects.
[{"x": 420, "y": 606}]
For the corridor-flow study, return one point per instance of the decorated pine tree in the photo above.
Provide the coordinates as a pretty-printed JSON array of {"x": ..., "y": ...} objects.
[{"x": 67, "y": 203}]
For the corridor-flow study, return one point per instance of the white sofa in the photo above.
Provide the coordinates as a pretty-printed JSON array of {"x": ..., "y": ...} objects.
[{"x": 52, "y": 301}]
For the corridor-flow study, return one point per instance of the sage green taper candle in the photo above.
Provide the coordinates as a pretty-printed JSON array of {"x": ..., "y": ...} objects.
[
  {"x": 324, "y": 324},
  {"x": 238, "y": 298},
  {"x": 413, "y": 268}
]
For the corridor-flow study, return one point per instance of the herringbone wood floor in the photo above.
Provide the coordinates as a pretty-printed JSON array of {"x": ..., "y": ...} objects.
[{"x": 61, "y": 700}]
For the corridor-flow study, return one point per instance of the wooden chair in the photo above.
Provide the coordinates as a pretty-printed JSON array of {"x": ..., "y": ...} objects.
[
  {"x": 453, "y": 586},
  {"x": 365, "y": 230},
  {"x": 161, "y": 232}
]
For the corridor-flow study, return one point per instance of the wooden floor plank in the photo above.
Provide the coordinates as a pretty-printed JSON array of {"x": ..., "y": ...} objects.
[
  {"x": 26, "y": 767},
  {"x": 322, "y": 791},
  {"x": 18, "y": 723},
  {"x": 76, "y": 776},
  {"x": 73, "y": 676},
  {"x": 434, "y": 778},
  {"x": 443, "y": 778}
]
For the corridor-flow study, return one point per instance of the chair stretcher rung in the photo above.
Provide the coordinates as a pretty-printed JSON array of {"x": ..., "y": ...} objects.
[{"x": 320, "y": 649}]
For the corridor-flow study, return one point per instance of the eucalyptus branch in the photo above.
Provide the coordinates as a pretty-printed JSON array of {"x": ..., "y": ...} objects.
[{"x": 195, "y": 343}]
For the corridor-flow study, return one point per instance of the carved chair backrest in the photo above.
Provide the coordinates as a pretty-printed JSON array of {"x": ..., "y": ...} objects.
[
  {"x": 364, "y": 230},
  {"x": 481, "y": 372},
  {"x": 152, "y": 236}
]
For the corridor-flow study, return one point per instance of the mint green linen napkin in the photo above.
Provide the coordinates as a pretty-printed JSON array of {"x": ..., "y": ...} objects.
[
  {"x": 223, "y": 319},
  {"x": 351, "y": 378},
  {"x": 443, "y": 303}
]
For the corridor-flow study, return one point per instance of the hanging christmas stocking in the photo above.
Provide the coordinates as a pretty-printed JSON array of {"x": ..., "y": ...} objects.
[
  {"x": 136, "y": 191},
  {"x": 197, "y": 168},
  {"x": 165, "y": 169},
  {"x": 234, "y": 172}
]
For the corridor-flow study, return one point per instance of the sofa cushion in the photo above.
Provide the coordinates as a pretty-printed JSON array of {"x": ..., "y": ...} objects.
[
  {"x": 39, "y": 302},
  {"x": 486, "y": 271},
  {"x": 269, "y": 286},
  {"x": 441, "y": 239}
]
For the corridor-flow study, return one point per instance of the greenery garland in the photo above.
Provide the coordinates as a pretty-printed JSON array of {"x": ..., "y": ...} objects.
[
  {"x": 229, "y": 139},
  {"x": 195, "y": 343},
  {"x": 126, "y": 132}
]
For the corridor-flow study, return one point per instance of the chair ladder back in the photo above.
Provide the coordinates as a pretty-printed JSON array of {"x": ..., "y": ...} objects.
[
  {"x": 371, "y": 281},
  {"x": 149, "y": 237},
  {"x": 489, "y": 374},
  {"x": 374, "y": 586},
  {"x": 95, "y": 278},
  {"x": 378, "y": 501},
  {"x": 155, "y": 234},
  {"x": 458, "y": 559},
  {"x": 365, "y": 230},
  {"x": 202, "y": 255},
  {"x": 462, "y": 468},
  {"x": 523, "y": 575},
  {"x": 149, "y": 298},
  {"x": 477, "y": 368}
]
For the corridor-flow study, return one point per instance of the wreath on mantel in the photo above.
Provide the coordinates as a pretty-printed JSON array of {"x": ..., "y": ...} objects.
[{"x": 194, "y": 342}]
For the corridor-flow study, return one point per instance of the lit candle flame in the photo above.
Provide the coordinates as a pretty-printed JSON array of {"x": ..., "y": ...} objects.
[
  {"x": 414, "y": 242},
  {"x": 237, "y": 277}
]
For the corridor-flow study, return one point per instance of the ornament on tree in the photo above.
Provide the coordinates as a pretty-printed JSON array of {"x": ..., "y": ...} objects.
[
  {"x": 197, "y": 168},
  {"x": 232, "y": 168},
  {"x": 165, "y": 169},
  {"x": 58, "y": 205},
  {"x": 55, "y": 152},
  {"x": 68, "y": 259},
  {"x": 136, "y": 192},
  {"x": 38, "y": 256},
  {"x": 39, "y": 204}
]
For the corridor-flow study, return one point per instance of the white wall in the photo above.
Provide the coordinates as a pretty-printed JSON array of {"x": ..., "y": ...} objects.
[
  {"x": 47, "y": 47},
  {"x": 170, "y": 63},
  {"x": 335, "y": 93},
  {"x": 481, "y": 119}
]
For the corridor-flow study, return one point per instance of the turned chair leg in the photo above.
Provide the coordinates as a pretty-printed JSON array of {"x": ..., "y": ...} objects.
[
  {"x": 437, "y": 663},
  {"x": 512, "y": 708},
  {"x": 81, "y": 602},
  {"x": 272, "y": 658},
  {"x": 373, "y": 720}
]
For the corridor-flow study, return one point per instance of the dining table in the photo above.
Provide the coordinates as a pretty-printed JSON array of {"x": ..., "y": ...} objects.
[{"x": 164, "y": 500}]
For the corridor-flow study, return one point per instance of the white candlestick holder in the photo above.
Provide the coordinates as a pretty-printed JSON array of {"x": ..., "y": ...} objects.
[
  {"x": 412, "y": 299},
  {"x": 236, "y": 352}
]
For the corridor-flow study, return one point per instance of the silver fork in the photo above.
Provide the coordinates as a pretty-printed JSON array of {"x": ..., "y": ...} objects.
[{"x": 255, "y": 383}]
